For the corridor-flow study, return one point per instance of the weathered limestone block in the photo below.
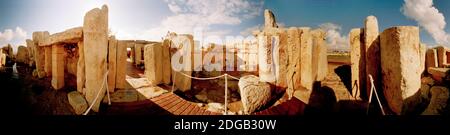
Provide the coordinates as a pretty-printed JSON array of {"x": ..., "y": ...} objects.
[
  {"x": 58, "y": 64},
  {"x": 400, "y": 52},
  {"x": 281, "y": 60},
  {"x": 39, "y": 52},
  {"x": 319, "y": 55},
  {"x": 153, "y": 63},
  {"x": 423, "y": 50},
  {"x": 265, "y": 61},
  {"x": 71, "y": 64},
  {"x": 22, "y": 55},
  {"x": 269, "y": 19},
  {"x": 121, "y": 68},
  {"x": 70, "y": 36},
  {"x": 372, "y": 44},
  {"x": 306, "y": 49},
  {"x": 138, "y": 53},
  {"x": 254, "y": 93},
  {"x": 166, "y": 66},
  {"x": 95, "y": 33},
  {"x": 48, "y": 60},
  {"x": 442, "y": 56},
  {"x": 31, "y": 55},
  {"x": 357, "y": 59},
  {"x": 432, "y": 60},
  {"x": 77, "y": 101},
  {"x": 438, "y": 102},
  {"x": 112, "y": 63},
  {"x": 438, "y": 74},
  {"x": 293, "y": 74},
  {"x": 182, "y": 44},
  {"x": 81, "y": 76}
]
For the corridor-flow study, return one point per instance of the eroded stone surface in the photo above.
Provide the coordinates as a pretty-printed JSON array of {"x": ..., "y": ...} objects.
[
  {"x": 372, "y": 45},
  {"x": 153, "y": 63},
  {"x": 357, "y": 59},
  {"x": 77, "y": 101},
  {"x": 95, "y": 33},
  {"x": 400, "y": 52},
  {"x": 254, "y": 93}
]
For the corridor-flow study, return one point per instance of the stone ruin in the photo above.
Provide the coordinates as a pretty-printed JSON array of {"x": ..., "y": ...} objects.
[
  {"x": 289, "y": 60},
  {"x": 398, "y": 63}
]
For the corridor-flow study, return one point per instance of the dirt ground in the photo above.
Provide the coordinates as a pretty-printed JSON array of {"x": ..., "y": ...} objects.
[{"x": 31, "y": 96}]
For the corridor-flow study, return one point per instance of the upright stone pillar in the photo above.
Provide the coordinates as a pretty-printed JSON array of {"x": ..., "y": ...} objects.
[
  {"x": 138, "y": 53},
  {"x": 319, "y": 55},
  {"x": 186, "y": 43},
  {"x": 400, "y": 52},
  {"x": 432, "y": 60},
  {"x": 166, "y": 66},
  {"x": 95, "y": 33},
  {"x": 121, "y": 67},
  {"x": 293, "y": 74},
  {"x": 48, "y": 60},
  {"x": 423, "y": 50},
  {"x": 58, "y": 64},
  {"x": 112, "y": 58},
  {"x": 372, "y": 44},
  {"x": 39, "y": 52},
  {"x": 81, "y": 76},
  {"x": 307, "y": 79},
  {"x": 442, "y": 56},
  {"x": 357, "y": 59},
  {"x": 153, "y": 63}
]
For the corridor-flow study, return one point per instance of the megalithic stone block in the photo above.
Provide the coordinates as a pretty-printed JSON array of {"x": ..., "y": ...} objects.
[
  {"x": 442, "y": 56},
  {"x": 58, "y": 65},
  {"x": 166, "y": 66},
  {"x": 48, "y": 60},
  {"x": 153, "y": 63},
  {"x": 319, "y": 55},
  {"x": 112, "y": 63},
  {"x": 95, "y": 34},
  {"x": 431, "y": 60},
  {"x": 372, "y": 44},
  {"x": 81, "y": 76},
  {"x": 400, "y": 52},
  {"x": 357, "y": 59},
  {"x": 121, "y": 64}
]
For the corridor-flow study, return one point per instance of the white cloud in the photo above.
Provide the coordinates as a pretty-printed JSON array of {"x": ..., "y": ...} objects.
[
  {"x": 14, "y": 37},
  {"x": 250, "y": 30},
  {"x": 191, "y": 14},
  {"x": 428, "y": 17},
  {"x": 334, "y": 38}
]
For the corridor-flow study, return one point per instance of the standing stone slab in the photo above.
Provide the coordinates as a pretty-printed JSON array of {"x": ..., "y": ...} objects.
[
  {"x": 319, "y": 60},
  {"x": 81, "y": 77},
  {"x": 121, "y": 67},
  {"x": 293, "y": 74},
  {"x": 58, "y": 64},
  {"x": 281, "y": 61},
  {"x": 48, "y": 60},
  {"x": 431, "y": 60},
  {"x": 153, "y": 63},
  {"x": 442, "y": 56},
  {"x": 39, "y": 52},
  {"x": 423, "y": 50},
  {"x": 166, "y": 72},
  {"x": 182, "y": 43},
  {"x": 307, "y": 79},
  {"x": 266, "y": 62},
  {"x": 357, "y": 61},
  {"x": 22, "y": 55},
  {"x": 95, "y": 33},
  {"x": 138, "y": 53},
  {"x": 372, "y": 44},
  {"x": 269, "y": 19},
  {"x": 31, "y": 47},
  {"x": 400, "y": 52},
  {"x": 112, "y": 58},
  {"x": 254, "y": 93}
]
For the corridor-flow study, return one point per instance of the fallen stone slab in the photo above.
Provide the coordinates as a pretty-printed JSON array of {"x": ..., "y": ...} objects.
[
  {"x": 438, "y": 74},
  {"x": 149, "y": 92},
  {"x": 77, "y": 101},
  {"x": 121, "y": 96}
]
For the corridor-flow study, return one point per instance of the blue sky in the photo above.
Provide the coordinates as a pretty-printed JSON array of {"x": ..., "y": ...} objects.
[{"x": 151, "y": 19}]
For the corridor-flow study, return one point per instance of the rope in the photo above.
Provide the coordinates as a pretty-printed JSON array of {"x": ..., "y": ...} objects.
[
  {"x": 210, "y": 78},
  {"x": 98, "y": 94},
  {"x": 372, "y": 90}
]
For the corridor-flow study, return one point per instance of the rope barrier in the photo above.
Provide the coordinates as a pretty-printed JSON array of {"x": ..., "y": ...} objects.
[
  {"x": 372, "y": 90},
  {"x": 211, "y": 78},
  {"x": 98, "y": 94}
]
